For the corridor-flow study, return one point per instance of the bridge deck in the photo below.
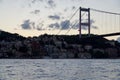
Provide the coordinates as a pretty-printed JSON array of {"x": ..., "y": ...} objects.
[
  {"x": 102, "y": 35},
  {"x": 111, "y": 34}
]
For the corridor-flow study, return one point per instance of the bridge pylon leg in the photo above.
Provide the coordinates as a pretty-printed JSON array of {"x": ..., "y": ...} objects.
[{"x": 81, "y": 23}]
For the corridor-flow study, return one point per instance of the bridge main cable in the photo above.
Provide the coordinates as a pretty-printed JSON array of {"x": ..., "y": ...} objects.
[
  {"x": 69, "y": 20},
  {"x": 73, "y": 25},
  {"x": 104, "y": 11}
]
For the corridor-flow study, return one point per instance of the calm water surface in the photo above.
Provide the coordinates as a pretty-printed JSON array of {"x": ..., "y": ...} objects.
[{"x": 59, "y": 69}]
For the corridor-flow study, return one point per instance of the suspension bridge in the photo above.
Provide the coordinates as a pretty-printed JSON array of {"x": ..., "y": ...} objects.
[{"x": 92, "y": 21}]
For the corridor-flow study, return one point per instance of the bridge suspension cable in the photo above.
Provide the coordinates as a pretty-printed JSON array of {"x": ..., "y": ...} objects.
[
  {"x": 74, "y": 25},
  {"x": 107, "y": 22},
  {"x": 102, "y": 22},
  {"x": 104, "y": 11},
  {"x": 69, "y": 20},
  {"x": 71, "y": 27}
]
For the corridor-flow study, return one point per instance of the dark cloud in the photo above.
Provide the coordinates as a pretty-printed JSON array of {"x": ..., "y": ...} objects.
[
  {"x": 51, "y": 3},
  {"x": 33, "y": 25},
  {"x": 67, "y": 9},
  {"x": 54, "y": 26},
  {"x": 35, "y": 12},
  {"x": 34, "y": 1},
  {"x": 75, "y": 24},
  {"x": 92, "y": 21},
  {"x": 54, "y": 17},
  {"x": 84, "y": 27},
  {"x": 94, "y": 27},
  {"x": 73, "y": 7},
  {"x": 40, "y": 26},
  {"x": 26, "y": 24},
  {"x": 31, "y": 2},
  {"x": 65, "y": 24},
  {"x": 41, "y": 0},
  {"x": 77, "y": 0},
  {"x": 92, "y": 24}
]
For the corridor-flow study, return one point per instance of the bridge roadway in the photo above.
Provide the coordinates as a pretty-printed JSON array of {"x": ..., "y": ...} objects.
[
  {"x": 102, "y": 35},
  {"x": 110, "y": 34}
]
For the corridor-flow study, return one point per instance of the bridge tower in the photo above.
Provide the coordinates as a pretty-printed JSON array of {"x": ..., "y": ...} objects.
[{"x": 81, "y": 23}]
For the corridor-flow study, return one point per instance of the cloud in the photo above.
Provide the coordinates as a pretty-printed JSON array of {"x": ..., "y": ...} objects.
[
  {"x": 51, "y": 3},
  {"x": 94, "y": 27},
  {"x": 77, "y": 0},
  {"x": 39, "y": 27},
  {"x": 82, "y": 27},
  {"x": 36, "y": 12},
  {"x": 85, "y": 27},
  {"x": 31, "y": 2},
  {"x": 92, "y": 21},
  {"x": 92, "y": 24},
  {"x": 34, "y": 1},
  {"x": 65, "y": 24},
  {"x": 73, "y": 7},
  {"x": 26, "y": 24},
  {"x": 54, "y": 25},
  {"x": 66, "y": 9},
  {"x": 54, "y": 17},
  {"x": 33, "y": 25}
]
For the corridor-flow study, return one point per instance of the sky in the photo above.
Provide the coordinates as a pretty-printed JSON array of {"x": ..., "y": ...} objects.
[{"x": 36, "y": 17}]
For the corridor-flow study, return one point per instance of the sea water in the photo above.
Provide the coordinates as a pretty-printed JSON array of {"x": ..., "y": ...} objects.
[{"x": 59, "y": 69}]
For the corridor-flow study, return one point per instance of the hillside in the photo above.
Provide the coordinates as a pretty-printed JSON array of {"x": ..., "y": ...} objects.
[
  {"x": 9, "y": 36},
  {"x": 57, "y": 46}
]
